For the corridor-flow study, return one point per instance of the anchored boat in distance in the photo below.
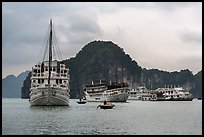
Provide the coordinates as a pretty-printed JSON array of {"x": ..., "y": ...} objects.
[
  {"x": 136, "y": 93},
  {"x": 173, "y": 94},
  {"x": 167, "y": 94}
]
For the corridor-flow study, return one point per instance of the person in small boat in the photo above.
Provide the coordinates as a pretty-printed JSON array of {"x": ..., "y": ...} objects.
[{"x": 105, "y": 102}]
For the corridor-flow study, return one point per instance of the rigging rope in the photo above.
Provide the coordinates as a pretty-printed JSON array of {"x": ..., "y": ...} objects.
[
  {"x": 56, "y": 46},
  {"x": 45, "y": 45}
]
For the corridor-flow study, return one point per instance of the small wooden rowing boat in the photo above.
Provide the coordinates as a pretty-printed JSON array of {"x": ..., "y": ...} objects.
[
  {"x": 106, "y": 105},
  {"x": 82, "y": 101}
]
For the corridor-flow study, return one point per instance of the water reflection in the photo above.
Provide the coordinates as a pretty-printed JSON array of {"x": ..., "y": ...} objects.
[
  {"x": 49, "y": 108},
  {"x": 47, "y": 120}
]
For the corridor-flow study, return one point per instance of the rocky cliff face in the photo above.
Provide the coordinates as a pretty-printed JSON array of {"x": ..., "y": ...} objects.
[{"x": 25, "y": 90}]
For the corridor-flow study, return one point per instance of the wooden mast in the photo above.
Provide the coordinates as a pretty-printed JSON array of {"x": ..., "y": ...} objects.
[
  {"x": 50, "y": 59},
  {"x": 50, "y": 51}
]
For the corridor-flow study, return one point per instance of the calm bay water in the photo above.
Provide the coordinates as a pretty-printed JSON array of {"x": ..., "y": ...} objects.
[{"x": 130, "y": 118}]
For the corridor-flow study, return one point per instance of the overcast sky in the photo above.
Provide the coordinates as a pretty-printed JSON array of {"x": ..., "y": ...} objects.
[{"x": 164, "y": 36}]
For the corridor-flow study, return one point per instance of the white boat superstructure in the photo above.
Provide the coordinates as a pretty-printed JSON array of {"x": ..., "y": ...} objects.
[
  {"x": 111, "y": 92},
  {"x": 174, "y": 94},
  {"x": 55, "y": 93},
  {"x": 136, "y": 93},
  {"x": 49, "y": 81},
  {"x": 167, "y": 94}
]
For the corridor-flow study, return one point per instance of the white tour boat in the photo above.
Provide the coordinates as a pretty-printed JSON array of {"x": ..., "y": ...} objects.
[
  {"x": 50, "y": 79},
  {"x": 173, "y": 94},
  {"x": 136, "y": 93},
  {"x": 111, "y": 92}
]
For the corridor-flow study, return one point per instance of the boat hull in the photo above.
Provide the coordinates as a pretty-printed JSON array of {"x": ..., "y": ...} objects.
[
  {"x": 175, "y": 99},
  {"x": 106, "y": 106},
  {"x": 81, "y": 102},
  {"x": 52, "y": 97},
  {"x": 134, "y": 97}
]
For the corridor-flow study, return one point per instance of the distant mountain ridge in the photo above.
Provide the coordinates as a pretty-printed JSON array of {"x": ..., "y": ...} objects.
[{"x": 11, "y": 85}]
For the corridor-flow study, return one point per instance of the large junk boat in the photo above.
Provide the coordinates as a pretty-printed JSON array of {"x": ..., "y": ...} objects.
[
  {"x": 111, "y": 92},
  {"x": 50, "y": 79}
]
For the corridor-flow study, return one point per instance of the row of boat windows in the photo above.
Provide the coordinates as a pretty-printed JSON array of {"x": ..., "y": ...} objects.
[
  {"x": 149, "y": 98},
  {"x": 53, "y": 75},
  {"x": 170, "y": 92},
  {"x": 94, "y": 90},
  {"x": 149, "y": 95},
  {"x": 40, "y": 81},
  {"x": 40, "y": 66},
  {"x": 46, "y": 69},
  {"x": 172, "y": 96},
  {"x": 53, "y": 93},
  {"x": 92, "y": 95},
  {"x": 117, "y": 90},
  {"x": 105, "y": 94},
  {"x": 110, "y": 94}
]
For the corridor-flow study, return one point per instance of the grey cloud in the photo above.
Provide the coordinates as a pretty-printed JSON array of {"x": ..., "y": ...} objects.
[
  {"x": 27, "y": 23},
  {"x": 190, "y": 60},
  {"x": 20, "y": 54},
  {"x": 170, "y": 6},
  {"x": 21, "y": 28},
  {"x": 80, "y": 28},
  {"x": 84, "y": 24},
  {"x": 191, "y": 36},
  {"x": 165, "y": 6}
]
